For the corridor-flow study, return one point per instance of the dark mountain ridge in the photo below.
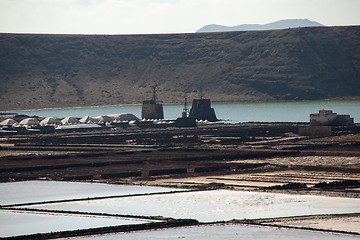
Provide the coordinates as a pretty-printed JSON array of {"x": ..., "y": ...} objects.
[
  {"x": 38, "y": 71},
  {"x": 281, "y": 24}
]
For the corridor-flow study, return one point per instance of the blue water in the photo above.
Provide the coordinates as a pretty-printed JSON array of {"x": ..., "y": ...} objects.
[{"x": 231, "y": 112}]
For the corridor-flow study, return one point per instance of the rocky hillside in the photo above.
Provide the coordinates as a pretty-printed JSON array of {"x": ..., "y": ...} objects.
[{"x": 38, "y": 71}]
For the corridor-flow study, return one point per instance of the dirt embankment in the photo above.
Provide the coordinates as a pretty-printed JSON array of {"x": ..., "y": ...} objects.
[{"x": 252, "y": 156}]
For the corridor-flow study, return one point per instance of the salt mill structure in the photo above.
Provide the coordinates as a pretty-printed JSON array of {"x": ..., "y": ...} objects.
[
  {"x": 185, "y": 120},
  {"x": 151, "y": 109},
  {"x": 201, "y": 110}
]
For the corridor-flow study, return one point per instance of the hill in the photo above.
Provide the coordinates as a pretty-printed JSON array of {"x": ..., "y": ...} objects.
[
  {"x": 282, "y": 24},
  {"x": 38, "y": 71}
]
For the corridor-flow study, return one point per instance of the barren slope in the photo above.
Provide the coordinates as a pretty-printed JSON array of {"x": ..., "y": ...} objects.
[{"x": 77, "y": 70}]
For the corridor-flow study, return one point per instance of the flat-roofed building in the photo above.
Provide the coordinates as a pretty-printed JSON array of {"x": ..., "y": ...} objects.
[{"x": 329, "y": 118}]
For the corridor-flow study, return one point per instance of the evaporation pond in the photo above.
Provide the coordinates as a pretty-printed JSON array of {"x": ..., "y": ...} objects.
[
  {"x": 227, "y": 231},
  {"x": 22, "y": 223},
  {"x": 39, "y": 191},
  {"x": 214, "y": 205}
]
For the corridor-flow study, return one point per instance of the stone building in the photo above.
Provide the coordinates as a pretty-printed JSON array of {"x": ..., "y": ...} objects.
[{"x": 329, "y": 118}]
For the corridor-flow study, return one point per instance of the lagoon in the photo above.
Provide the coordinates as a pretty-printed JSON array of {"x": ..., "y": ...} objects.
[{"x": 294, "y": 111}]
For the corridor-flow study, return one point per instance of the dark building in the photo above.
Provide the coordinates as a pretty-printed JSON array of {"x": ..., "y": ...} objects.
[
  {"x": 151, "y": 109},
  {"x": 201, "y": 110},
  {"x": 185, "y": 120}
]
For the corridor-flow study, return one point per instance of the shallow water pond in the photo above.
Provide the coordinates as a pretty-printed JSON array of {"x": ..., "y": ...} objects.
[
  {"x": 205, "y": 206},
  {"x": 23, "y": 223},
  {"x": 36, "y": 191},
  {"x": 228, "y": 232},
  {"x": 216, "y": 205}
]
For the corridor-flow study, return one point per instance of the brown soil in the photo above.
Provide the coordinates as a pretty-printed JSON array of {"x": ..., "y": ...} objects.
[{"x": 243, "y": 156}]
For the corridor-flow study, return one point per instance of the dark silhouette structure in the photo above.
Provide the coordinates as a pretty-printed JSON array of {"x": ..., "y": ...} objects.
[
  {"x": 185, "y": 120},
  {"x": 201, "y": 110},
  {"x": 151, "y": 109}
]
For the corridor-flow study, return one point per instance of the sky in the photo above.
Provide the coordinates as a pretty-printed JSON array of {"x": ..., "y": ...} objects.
[{"x": 164, "y": 16}]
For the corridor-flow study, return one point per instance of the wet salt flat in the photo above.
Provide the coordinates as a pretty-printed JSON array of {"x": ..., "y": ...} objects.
[
  {"x": 36, "y": 191},
  {"x": 348, "y": 223},
  {"x": 228, "y": 232},
  {"x": 23, "y": 223},
  {"x": 215, "y": 205},
  {"x": 205, "y": 206}
]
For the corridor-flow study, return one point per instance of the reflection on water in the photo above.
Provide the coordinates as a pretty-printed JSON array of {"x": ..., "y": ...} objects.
[
  {"x": 206, "y": 206},
  {"x": 16, "y": 223},
  {"x": 284, "y": 111},
  {"x": 35, "y": 191},
  {"x": 228, "y": 232},
  {"x": 234, "y": 112},
  {"x": 217, "y": 205}
]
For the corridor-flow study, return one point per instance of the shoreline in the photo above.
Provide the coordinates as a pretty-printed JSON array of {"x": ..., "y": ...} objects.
[{"x": 213, "y": 102}]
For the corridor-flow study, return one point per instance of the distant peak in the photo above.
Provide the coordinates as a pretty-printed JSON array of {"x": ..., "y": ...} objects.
[{"x": 281, "y": 24}]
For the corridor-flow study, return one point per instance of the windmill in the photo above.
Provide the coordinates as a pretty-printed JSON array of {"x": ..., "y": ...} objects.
[
  {"x": 150, "y": 109},
  {"x": 154, "y": 98}
]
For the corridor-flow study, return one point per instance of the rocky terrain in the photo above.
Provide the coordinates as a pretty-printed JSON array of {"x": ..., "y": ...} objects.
[{"x": 38, "y": 71}]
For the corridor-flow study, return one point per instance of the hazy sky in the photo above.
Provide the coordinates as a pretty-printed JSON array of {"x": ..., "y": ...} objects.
[{"x": 164, "y": 16}]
